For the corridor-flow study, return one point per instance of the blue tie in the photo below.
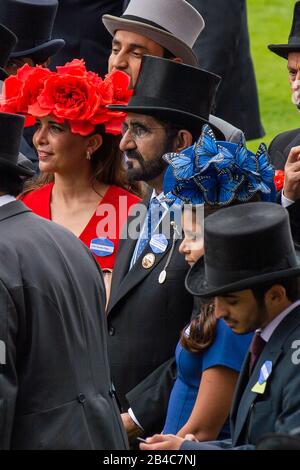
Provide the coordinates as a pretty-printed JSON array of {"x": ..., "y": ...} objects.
[{"x": 152, "y": 219}]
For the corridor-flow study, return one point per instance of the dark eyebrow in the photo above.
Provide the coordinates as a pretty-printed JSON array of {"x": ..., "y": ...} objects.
[
  {"x": 139, "y": 123},
  {"x": 115, "y": 42},
  {"x": 232, "y": 296}
]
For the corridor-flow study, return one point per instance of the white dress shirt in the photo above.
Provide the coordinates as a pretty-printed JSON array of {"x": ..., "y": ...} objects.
[{"x": 6, "y": 199}]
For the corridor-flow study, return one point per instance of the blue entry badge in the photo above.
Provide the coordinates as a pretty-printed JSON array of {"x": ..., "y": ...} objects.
[
  {"x": 158, "y": 243},
  {"x": 264, "y": 374},
  {"x": 102, "y": 246}
]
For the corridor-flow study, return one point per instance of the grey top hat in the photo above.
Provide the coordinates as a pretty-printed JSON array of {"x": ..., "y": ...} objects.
[
  {"x": 174, "y": 24},
  {"x": 293, "y": 44}
]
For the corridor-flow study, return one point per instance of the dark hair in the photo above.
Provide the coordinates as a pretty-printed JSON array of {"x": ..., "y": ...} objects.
[
  {"x": 107, "y": 165},
  {"x": 291, "y": 286},
  {"x": 168, "y": 55},
  {"x": 10, "y": 182},
  {"x": 202, "y": 330}
]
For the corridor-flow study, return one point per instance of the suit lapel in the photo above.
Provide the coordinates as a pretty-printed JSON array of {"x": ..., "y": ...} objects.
[
  {"x": 294, "y": 143},
  {"x": 125, "y": 278},
  {"x": 245, "y": 397}
]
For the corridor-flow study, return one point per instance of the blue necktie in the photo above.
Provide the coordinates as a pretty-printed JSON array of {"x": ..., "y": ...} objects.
[{"x": 154, "y": 214}]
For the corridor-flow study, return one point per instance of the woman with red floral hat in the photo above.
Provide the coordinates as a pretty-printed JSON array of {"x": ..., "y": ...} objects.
[{"x": 82, "y": 184}]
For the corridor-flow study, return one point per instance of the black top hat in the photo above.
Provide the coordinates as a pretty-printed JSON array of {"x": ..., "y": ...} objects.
[
  {"x": 8, "y": 40},
  {"x": 173, "y": 91},
  {"x": 293, "y": 45},
  {"x": 11, "y": 131},
  {"x": 245, "y": 245},
  {"x": 32, "y": 21}
]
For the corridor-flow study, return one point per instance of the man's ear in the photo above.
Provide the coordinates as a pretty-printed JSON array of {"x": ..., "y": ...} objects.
[
  {"x": 276, "y": 295},
  {"x": 183, "y": 140},
  {"x": 178, "y": 59}
]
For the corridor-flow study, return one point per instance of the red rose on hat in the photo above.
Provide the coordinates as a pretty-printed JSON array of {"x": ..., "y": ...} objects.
[
  {"x": 21, "y": 90},
  {"x": 71, "y": 93}
]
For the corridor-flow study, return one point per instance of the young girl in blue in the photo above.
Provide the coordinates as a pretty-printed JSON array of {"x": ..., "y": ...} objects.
[{"x": 209, "y": 355}]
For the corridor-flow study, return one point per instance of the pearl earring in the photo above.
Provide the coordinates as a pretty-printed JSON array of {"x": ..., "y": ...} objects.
[{"x": 88, "y": 155}]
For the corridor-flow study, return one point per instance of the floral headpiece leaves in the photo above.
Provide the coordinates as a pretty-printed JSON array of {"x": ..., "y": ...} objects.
[
  {"x": 217, "y": 173},
  {"x": 71, "y": 93}
]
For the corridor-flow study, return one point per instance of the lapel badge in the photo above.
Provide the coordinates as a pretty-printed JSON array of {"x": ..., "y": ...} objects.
[
  {"x": 162, "y": 276},
  {"x": 148, "y": 260},
  {"x": 264, "y": 375}
]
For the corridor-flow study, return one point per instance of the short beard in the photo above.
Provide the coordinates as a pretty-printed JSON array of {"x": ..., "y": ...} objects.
[{"x": 148, "y": 171}]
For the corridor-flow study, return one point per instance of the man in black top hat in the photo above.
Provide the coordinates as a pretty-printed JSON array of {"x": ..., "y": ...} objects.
[
  {"x": 149, "y": 304},
  {"x": 8, "y": 40},
  {"x": 55, "y": 388},
  {"x": 255, "y": 286},
  {"x": 281, "y": 145},
  {"x": 32, "y": 22}
]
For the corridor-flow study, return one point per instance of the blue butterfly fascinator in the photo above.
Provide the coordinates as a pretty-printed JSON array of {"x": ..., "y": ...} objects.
[{"x": 217, "y": 173}]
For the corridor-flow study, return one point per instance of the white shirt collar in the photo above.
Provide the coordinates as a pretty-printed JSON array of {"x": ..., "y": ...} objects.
[
  {"x": 6, "y": 199},
  {"x": 159, "y": 197},
  {"x": 267, "y": 332}
]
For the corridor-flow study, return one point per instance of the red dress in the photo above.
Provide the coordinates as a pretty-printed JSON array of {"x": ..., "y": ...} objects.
[{"x": 110, "y": 216}]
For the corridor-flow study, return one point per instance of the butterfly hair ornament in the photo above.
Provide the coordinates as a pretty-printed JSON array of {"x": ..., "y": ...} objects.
[{"x": 217, "y": 173}]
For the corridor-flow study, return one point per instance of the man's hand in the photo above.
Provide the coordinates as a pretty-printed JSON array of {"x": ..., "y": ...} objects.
[
  {"x": 132, "y": 429},
  {"x": 165, "y": 442},
  {"x": 291, "y": 187}
]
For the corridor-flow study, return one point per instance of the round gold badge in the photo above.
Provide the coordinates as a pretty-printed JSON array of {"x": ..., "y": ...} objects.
[{"x": 148, "y": 260}]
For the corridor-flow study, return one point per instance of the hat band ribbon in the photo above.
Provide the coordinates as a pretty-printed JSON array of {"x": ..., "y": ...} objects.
[
  {"x": 25, "y": 44},
  {"x": 219, "y": 277},
  {"x": 170, "y": 105},
  {"x": 143, "y": 20},
  {"x": 294, "y": 40}
]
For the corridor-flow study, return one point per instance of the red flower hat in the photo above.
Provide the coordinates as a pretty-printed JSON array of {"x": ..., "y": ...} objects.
[{"x": 71, "y": 93}]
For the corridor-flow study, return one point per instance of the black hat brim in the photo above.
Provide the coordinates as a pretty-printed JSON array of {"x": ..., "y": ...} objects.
[
  {"x": 17, "y": 168},
  {"x": 197, "y": 285},
  {"x": 283, "y": 50},
  {"x": 174, "y": 115},
  {"x": 41, "y": 52}
]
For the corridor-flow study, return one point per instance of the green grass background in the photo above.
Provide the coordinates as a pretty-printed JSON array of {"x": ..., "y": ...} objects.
[{"x": 269, "y": 23}]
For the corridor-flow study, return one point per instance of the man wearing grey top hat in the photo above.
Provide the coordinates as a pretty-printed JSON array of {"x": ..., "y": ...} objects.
[{"x": 165, "y": 29}]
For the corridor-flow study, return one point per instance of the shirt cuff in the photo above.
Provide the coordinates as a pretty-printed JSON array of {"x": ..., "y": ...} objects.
[
  {"x": 285, "y": 202},
  {"x": 132, "y": 416}
]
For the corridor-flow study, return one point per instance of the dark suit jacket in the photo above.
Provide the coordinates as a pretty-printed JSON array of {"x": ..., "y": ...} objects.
[
  {"x": 79, "y": 23},
  {"x": 281, "y": 145},
  {"x": 144, "y": 322},
  {"x": 278, "y": 408},
  {"x": 223, "y": 48},
  {"x": 55, "y": 387},
  {"x": 294, "y": 214}
]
